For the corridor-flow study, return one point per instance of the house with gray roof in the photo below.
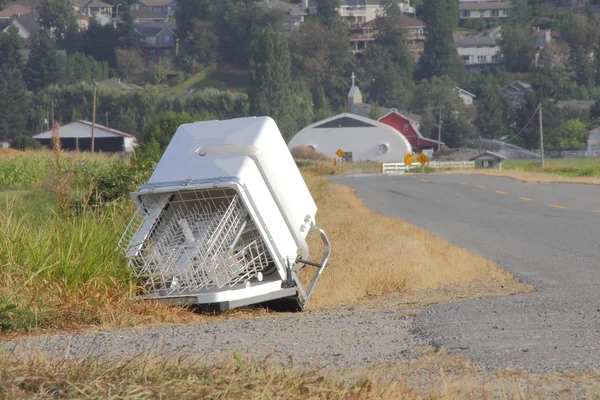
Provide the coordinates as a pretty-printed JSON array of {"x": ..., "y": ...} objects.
[
  {"x": 161, "y": 7},
  {"x": 158, "y": 40},
  {"x": 485, "y": 9},
  {"x": 115, "y": 83},
  {"x": 27, "y": 24}
]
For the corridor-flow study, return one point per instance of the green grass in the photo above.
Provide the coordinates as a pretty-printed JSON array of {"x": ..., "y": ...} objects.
[
  {"x": 564, "y": 167},
  {"x": 223, "y": 81},
  {"x": 53, "y": 261},
  {"x": 194, "y": 79}
]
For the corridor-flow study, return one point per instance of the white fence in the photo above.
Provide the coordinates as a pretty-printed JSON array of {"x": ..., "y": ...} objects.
[
  {"x": 395, "y": 168},
  {"x": 573, "y": 154},
  {"x": 401, "y": 168},
  {"x": 451, "y": 164}
]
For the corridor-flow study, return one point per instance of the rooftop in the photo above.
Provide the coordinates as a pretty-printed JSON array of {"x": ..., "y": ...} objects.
[
  {"x": 476, "y": 41},
  {"x": 14, "y": 9},
  {"x": 485, "y": 5},
  {"x": 154, "y": 28}
]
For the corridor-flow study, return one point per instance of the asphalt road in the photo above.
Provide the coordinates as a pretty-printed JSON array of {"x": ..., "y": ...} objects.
[{"x": 545, "y": 234}]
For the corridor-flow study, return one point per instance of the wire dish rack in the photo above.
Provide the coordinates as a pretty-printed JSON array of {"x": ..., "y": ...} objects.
[{"x": 194, "y": 240}]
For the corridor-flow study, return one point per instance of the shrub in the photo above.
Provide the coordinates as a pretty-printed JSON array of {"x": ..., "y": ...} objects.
[
  {"x": 25, "y": 143},
  {"x": 306, "y": 153}
]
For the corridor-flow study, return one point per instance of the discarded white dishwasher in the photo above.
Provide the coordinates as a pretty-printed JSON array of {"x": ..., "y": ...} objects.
[{"x": 223, "y": 220}]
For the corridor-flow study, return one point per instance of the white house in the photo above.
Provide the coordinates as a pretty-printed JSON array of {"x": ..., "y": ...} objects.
[
  {"x": 484, "y": 9},
  {"x": 77, "y": 136},
  {"x": 359, "y": 10},
  {"x": 479, "y": 52},
  {"x": 466, "y": 97},
  {"x": 161, "y": 7},
  {"x": 360, "y": 138},
  {"x": 594, "y": 139}
]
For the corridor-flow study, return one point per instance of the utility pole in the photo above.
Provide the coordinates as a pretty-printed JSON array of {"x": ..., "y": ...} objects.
[
  {"x": 440, "y": 130},
  {"x": 94, "y": 115},
  {"x": 541, "y": 137}
]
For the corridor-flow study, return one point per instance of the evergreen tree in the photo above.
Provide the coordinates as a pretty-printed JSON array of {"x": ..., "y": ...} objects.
[
  {"x": 100, "y": 42},
  {"x": 440, "y": 56},
  {"x": 391, "y": 37},
  {"x": 270, "y": 90},
  {"x": 326, "y": 11},
  {"x": 321, "y": 104},
  {"x": 129, "y": 38},
  {"x": 44, "y": 66},
  {"x": 58, "y": 17},
  {"x": 517, "y": 48},
  {"x": 10, "y": 44},
  {"x": 322, "y": 57},
  {"x": 14, "y": 103},
  {"x": 384, "y": 82},
  {"x": 190, "y": 11},
  {"x": 491, "y": 119}
]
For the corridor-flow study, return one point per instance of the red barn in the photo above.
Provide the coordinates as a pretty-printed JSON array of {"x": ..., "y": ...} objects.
[{"x": 409, "y": 130}]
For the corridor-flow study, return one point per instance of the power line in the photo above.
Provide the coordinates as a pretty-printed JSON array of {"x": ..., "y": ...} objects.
[{"x": 525, "y": 127}]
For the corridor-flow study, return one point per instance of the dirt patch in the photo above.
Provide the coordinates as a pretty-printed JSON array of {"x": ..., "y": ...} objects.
[{"x": 458, "y": 154}]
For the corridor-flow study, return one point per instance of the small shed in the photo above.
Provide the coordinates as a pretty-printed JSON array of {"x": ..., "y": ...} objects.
[{"x": 488, "y": 160}]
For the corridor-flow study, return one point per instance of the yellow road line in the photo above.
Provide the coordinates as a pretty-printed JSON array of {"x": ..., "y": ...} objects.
[
  {"x": 500, "y": 192},
  {"x": 596, "y": 211},
  {"x": 464, "y": 183},
  {"x": 559, "y": 207},
  {"x": 481, "y": 187},
  {"x": 525, "y": 199},
  {"x": 423, "y": 180}
]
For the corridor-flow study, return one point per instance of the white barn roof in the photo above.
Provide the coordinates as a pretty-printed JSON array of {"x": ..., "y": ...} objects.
[
  {"x": 366, "y": 139},
  {"x": 83, "y": 129}
]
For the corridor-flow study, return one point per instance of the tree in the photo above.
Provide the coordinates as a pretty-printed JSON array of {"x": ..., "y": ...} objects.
[
  {"x": 10, "y": 44},
  {"x": 44, "y": 66},
  {"x": 440, "y": 56},
  {"x": 202, "y": 44},
  {"x": 572, "y": 134},
  {"x": 82, "y": 68},
  {"x": 58, "y": 17},
  {"x": 157, "y": 74},
  {"x": 436, "y": 96},
  {"x": 327, "y": 11},
  {"x": 385, "y": 82},
  {"x": 129, "y": 38},
  {"x": 129, "y": 62},
  {"x": 374, "y": 113},
  {"x": 517, "y": 48},
  {"x": 270, "y": 90},
  {"x": 491, "y": 117},
  {"x": 100, "y": 42},
  {"x": 14, "y": 103},
  {"x": 161, "y": 130},
  {"x": 25, "y": 143},
  {"x": 388, "y": 63},
  {"x": 322, "y": 57},
  {"x": 190, "y": 11}
]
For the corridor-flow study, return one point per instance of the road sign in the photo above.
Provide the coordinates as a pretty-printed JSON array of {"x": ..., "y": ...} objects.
[
  {"x": 422, "y": 158},
  {"x": 408, "y": 159},
  {"x": 339, "y": 153}
]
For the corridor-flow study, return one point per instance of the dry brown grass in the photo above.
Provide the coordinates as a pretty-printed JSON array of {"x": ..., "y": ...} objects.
[
  {"x": 307, "y": 154},
  {"x": 375, "y": 255},
  {"x": 431, "y": 375}
]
